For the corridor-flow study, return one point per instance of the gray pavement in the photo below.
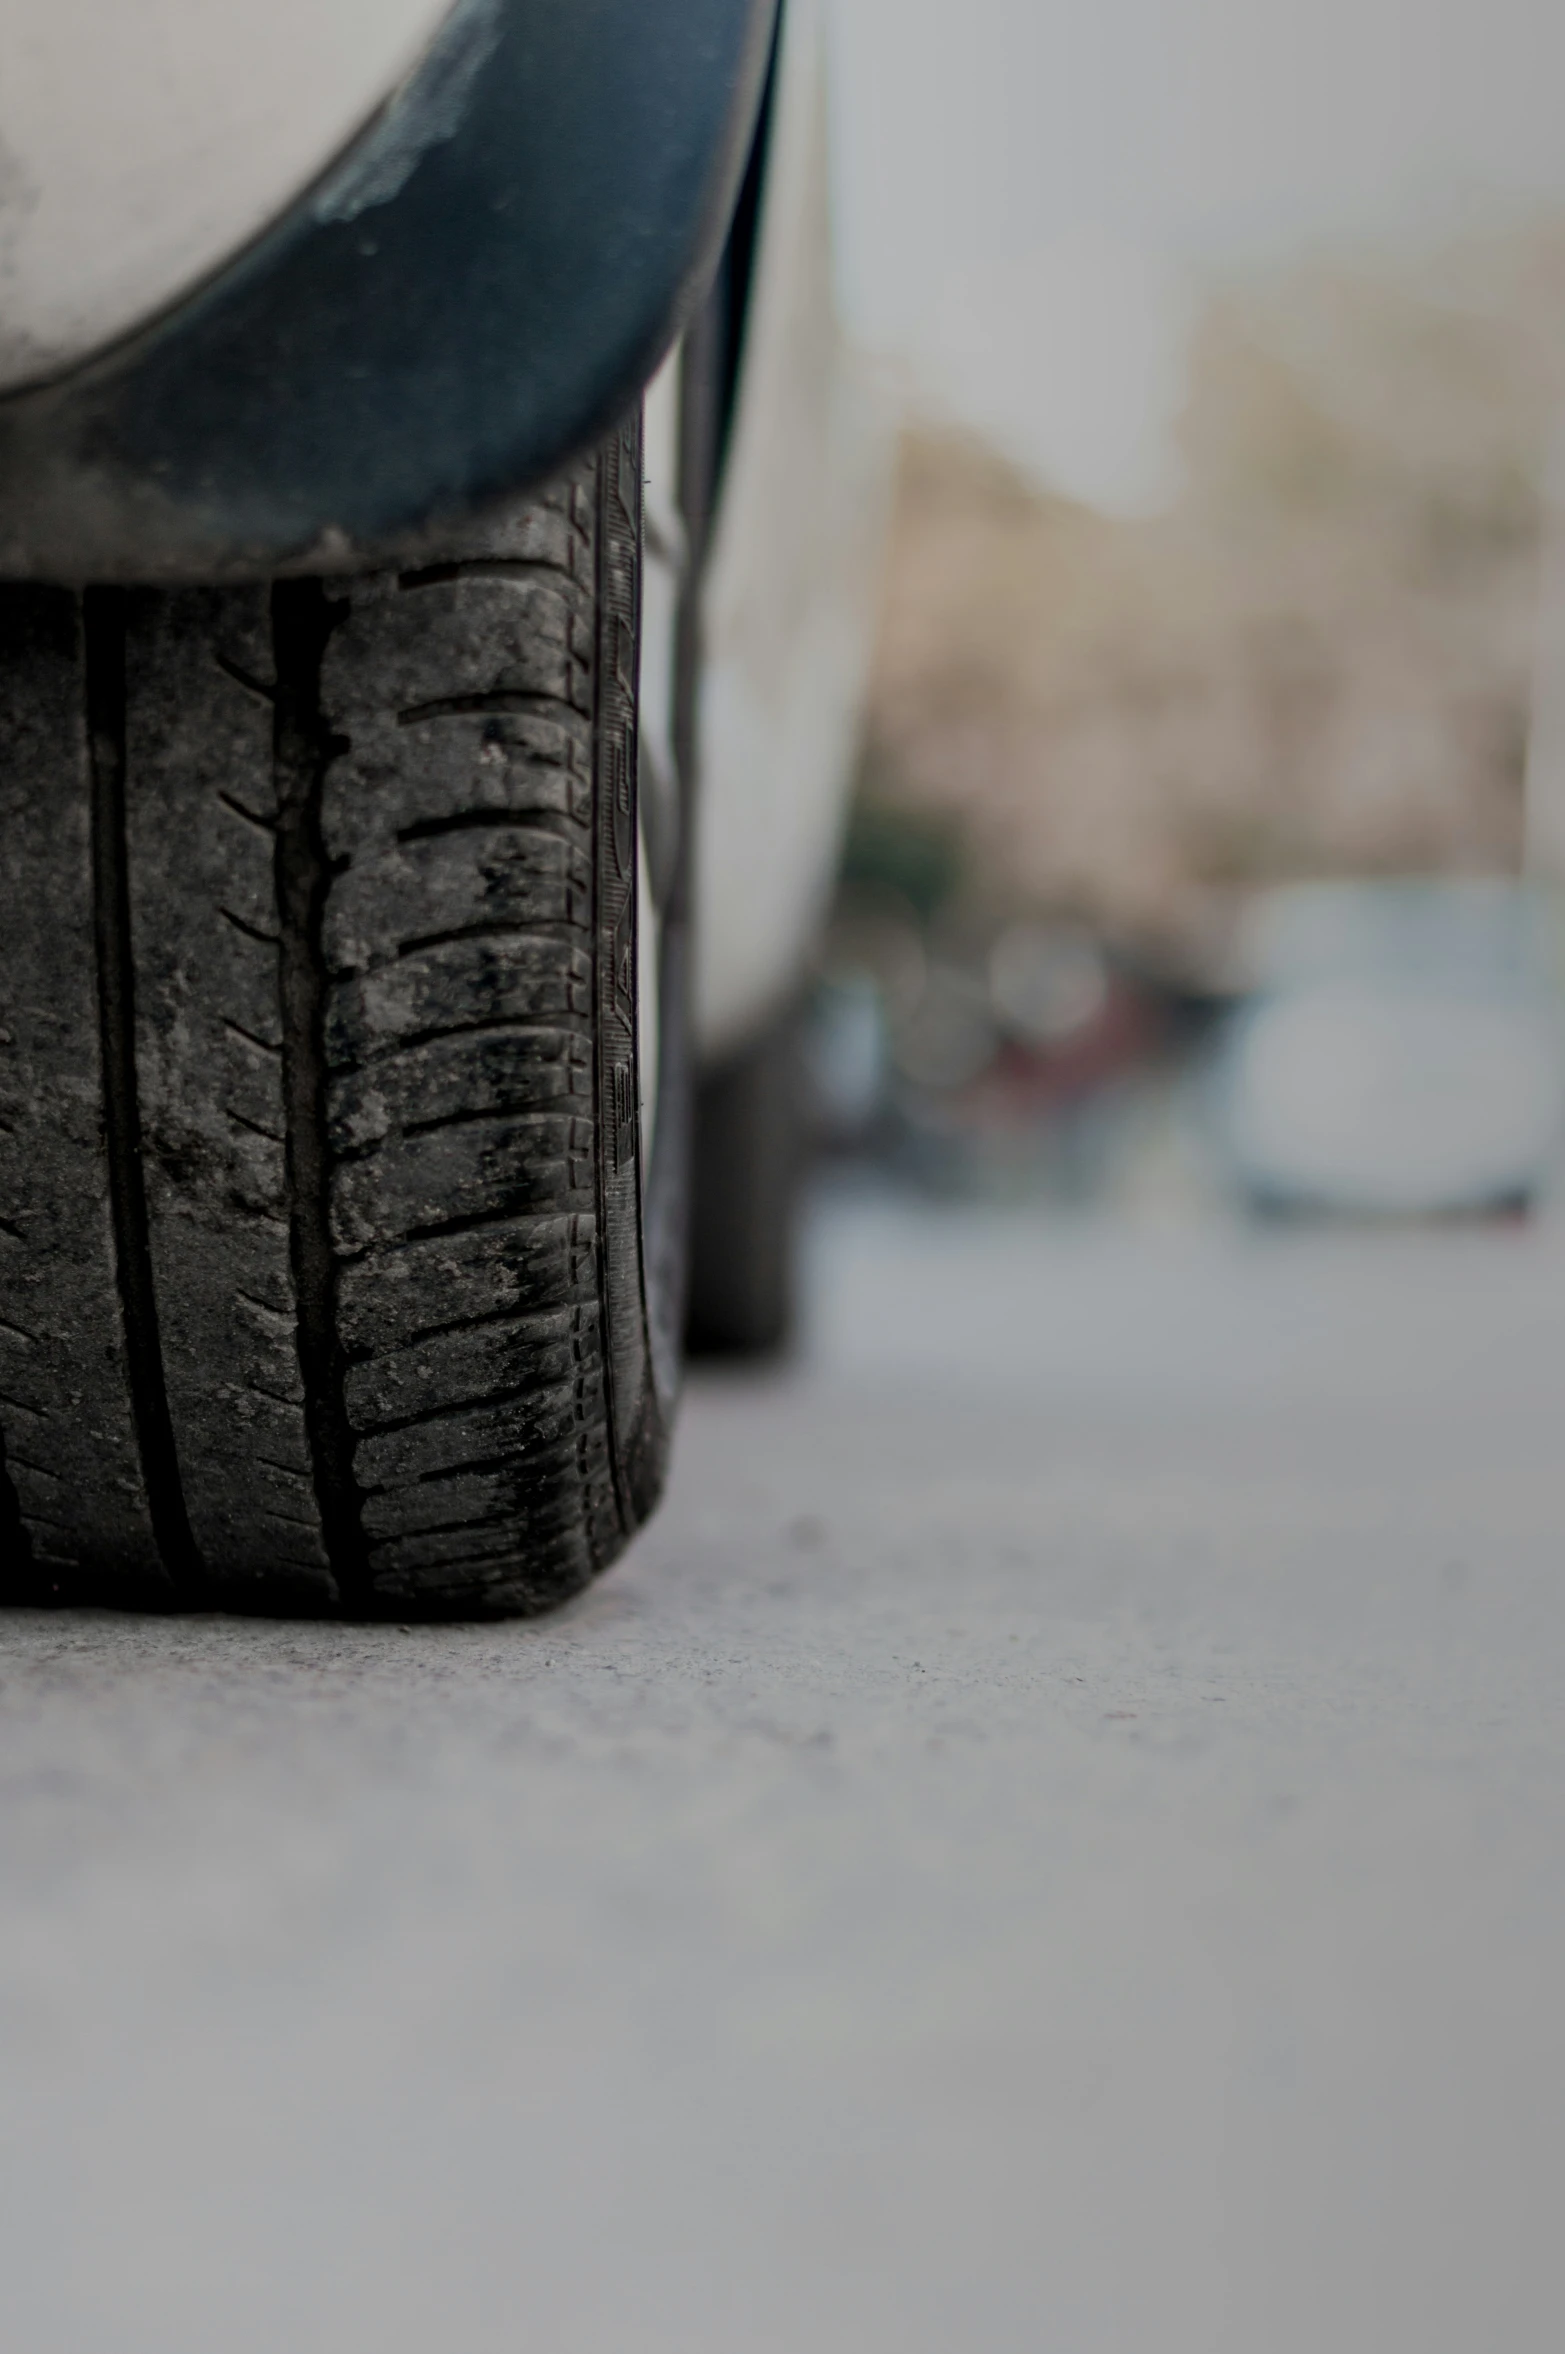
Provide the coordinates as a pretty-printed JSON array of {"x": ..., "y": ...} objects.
[{"x": 1053, "y": 1842}]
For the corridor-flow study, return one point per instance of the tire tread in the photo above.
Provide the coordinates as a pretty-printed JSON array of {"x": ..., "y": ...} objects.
[{"x": 362, "y": 855}]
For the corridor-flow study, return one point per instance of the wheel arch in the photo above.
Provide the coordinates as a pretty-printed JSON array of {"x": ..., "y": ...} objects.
[{"x": 469, "y": 295}]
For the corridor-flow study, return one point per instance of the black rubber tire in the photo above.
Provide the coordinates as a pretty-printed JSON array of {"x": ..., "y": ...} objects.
[
  {"x": 328, "y": 1277},
  {"x": 748, "y": 1160}
]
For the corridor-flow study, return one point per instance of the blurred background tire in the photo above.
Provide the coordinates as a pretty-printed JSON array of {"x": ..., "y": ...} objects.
[{"x": 751, "y": 1140}]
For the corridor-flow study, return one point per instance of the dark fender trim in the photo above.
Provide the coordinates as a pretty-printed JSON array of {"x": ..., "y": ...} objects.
[{"x": 473, "y": 294}]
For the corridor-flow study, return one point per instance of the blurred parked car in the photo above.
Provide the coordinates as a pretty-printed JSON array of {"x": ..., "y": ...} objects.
[
  {"x": 1399, "y": 1051},
  {"x": 427, "y": 446}
]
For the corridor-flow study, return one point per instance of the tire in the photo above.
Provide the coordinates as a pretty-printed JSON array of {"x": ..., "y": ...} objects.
[
  {"x": 331, "y": 1278},
  {"x": 748, "y": 1159}
]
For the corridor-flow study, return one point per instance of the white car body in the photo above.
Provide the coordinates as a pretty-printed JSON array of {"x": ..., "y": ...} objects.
[
  {"x": 144, "y": 143},
  {"x": 1402, "y": 1054},
  {"x": 1394, "y": 1103},
  {"x": 791, "y": 591}
]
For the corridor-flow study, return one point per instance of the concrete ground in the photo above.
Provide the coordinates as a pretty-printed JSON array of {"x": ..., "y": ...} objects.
[{"x": 1054, "y": 1842}]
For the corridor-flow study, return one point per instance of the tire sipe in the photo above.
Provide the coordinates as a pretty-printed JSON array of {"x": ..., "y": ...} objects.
[{"x": 339, "y": 1269}]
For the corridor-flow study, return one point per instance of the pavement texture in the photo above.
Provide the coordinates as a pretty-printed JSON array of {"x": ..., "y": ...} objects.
[{"x": 1054, "y": 1841}]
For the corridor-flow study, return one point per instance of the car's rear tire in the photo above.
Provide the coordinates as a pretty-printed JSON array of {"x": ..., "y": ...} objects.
[
  {"x": 750, "y": 1148},
  {"x": 330, "y": 1274}
]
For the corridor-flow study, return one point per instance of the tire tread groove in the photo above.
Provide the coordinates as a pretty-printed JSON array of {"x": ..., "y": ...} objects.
[{"x": 103, "y": 626}]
